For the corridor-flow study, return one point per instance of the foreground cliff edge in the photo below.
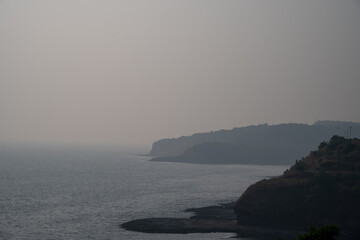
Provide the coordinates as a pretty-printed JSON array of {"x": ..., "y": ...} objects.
[{"x": 322, "y": 188}]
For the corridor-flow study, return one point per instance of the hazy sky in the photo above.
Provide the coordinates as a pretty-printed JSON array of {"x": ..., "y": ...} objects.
[{"x": 131, "y": 72}]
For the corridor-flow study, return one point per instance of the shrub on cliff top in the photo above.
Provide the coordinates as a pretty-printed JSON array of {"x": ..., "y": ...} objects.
[
  {"x": 326, "y": 232},
  {"x": 335, "y": 141}
]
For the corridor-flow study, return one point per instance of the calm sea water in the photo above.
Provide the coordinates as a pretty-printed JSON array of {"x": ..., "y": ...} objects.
[{"x": 87, "y": 193}]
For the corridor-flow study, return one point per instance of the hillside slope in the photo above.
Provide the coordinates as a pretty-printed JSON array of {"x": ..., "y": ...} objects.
[{"x": 322, "y": 188}]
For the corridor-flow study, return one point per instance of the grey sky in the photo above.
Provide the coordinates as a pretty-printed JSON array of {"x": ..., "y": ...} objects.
[{"x": 130, "y": 72}]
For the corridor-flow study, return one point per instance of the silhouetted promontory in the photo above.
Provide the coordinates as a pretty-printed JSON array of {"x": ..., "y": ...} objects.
[
  {"x": 261, "y": 144},
  {"x": 322, "y": 188}
]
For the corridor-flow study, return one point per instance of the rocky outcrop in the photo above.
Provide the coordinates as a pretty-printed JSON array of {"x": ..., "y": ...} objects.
[
  {"x": 207, "y": 220},
  {"x": 322, "y": 188}
]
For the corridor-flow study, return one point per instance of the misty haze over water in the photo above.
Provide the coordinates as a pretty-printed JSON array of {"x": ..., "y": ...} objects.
[
  {"x": 128, "y": 73},
  {"x": 131, "y": 72}
]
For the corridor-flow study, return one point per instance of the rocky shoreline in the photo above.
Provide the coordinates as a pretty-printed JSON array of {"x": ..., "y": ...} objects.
[
  {"x": 209, "y": 219},
  {"x": 320, "y": 189}
]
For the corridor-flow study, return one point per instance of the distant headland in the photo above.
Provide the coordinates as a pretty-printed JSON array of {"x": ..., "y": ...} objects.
[{"x": 278, "y": 144}]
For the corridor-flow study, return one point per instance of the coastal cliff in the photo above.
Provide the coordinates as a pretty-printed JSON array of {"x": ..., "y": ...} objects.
[
  {"x": 261, "y": 144},
  {"x": 322, "y": 188}
]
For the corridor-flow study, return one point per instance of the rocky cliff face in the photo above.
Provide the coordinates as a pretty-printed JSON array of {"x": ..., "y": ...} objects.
[{"x": 322, "y": 188}]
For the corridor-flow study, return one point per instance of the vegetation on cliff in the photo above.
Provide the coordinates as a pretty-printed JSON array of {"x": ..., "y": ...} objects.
[
  {"x": 322, "y": 188},
  {"x": 326, "y": 232}
]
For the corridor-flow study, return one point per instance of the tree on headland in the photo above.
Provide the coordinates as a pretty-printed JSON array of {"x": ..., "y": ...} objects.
[{"x": 326, "y": 232}]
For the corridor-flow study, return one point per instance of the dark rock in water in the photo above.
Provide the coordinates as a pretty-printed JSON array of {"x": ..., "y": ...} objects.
[
  {"x": 322, "y": 188},
  {"x": 180, "y": 225},
  {"x": 206, "y": 220},
  {"x": 220, "y": 218}
]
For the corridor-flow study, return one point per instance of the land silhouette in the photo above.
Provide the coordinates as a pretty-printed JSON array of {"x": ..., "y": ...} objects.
[
  {"x": 262, "y": 144},
  {"x": 321, "y": 188}
]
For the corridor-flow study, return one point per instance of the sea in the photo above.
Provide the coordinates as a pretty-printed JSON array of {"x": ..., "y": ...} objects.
[{"x": 86, "y": 193}]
